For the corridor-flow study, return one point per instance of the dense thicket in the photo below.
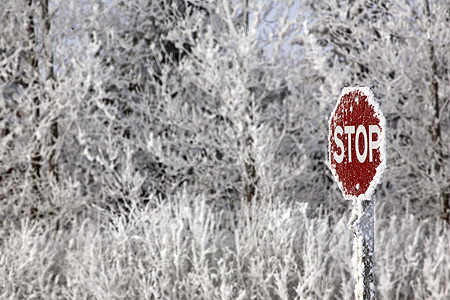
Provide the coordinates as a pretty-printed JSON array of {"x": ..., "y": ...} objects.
[{"x": 125, "y": 123}]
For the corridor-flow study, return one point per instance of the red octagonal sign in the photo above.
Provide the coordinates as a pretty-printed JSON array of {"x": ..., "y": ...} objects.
[{"x": 357, "y": 143}]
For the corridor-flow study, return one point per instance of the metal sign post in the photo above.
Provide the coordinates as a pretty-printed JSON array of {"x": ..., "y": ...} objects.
[{"x": 357, "y": 159}]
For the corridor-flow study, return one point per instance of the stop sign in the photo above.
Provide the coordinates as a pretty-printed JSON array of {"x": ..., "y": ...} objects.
[{"x": 357, "y": 143}]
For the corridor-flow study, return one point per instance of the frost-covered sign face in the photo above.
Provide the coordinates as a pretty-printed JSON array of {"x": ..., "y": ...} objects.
[{"x": 357, "y": 143}]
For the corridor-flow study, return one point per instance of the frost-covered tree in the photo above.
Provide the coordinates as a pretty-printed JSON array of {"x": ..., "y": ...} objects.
[
  {"x": 190, "y": 99},
  {"x": 128, "y": 100},
  {"x": 29, "y": 109},
  {"x": 401, "y": 48}
]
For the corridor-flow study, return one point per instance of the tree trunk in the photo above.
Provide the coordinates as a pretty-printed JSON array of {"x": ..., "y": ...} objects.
[
  {"x": 435, "y": 128},
  {"x": 33, "y": 86},
  {"x": 50, "y": 77},
  {"x": 252, "y": 176}
]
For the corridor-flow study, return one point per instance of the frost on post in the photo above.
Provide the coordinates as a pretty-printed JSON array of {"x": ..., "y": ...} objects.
[{"x": 362, "y": 225}]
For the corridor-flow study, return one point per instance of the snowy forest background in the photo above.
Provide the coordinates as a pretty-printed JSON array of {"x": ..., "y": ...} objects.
[{"x": 177, "y": 149}]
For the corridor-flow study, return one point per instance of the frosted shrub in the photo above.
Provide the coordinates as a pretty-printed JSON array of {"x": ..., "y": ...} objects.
[
  {"x": 183, "y": 249},
  {"x": 30, "y": 261},
  {"x": 412, "y": 259}
]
